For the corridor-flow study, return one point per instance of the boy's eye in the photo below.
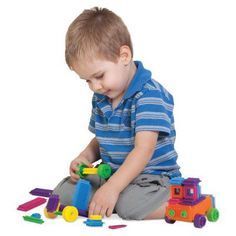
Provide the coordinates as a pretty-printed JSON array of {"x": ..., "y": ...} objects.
[{"x": 99, "y": 76}]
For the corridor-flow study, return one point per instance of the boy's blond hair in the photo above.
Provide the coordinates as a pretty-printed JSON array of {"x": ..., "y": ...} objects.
[{"x": 96, "y": 32}]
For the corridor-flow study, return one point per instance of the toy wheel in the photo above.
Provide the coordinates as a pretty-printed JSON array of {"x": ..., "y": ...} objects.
[
  {"x": 80, "y": 171},
  {"x": 50, "y": 215},
  {"x": 213, "y": 215},
  {"x": 70, "y": 213},
  {"x": 199, "y": 221},
  {"x": 169, "y": 221},
  {"x": 104, "y": 171}
]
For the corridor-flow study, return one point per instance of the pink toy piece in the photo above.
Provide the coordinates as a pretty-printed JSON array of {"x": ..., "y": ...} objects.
[
  {"x": 116, "y": 226},
  {"x": 31, "y": 204}
]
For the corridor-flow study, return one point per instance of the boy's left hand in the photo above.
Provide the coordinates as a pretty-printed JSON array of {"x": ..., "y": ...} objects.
[{"x": 104, "y": 200}]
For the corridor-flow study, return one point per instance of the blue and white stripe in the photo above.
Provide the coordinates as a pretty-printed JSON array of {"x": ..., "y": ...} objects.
[{"x": 146, "y": 105}]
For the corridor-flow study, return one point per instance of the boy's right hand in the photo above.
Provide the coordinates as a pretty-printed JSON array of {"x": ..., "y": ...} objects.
[{"x": 81, "y": 159}]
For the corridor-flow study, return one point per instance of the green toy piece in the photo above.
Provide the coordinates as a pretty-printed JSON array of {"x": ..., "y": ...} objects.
[
  {"x": 213, "y": 215},
  {"x": 80, "y": 171},
  {"x": 33, "y": 219},
  {"x": 104, "y": 171}
]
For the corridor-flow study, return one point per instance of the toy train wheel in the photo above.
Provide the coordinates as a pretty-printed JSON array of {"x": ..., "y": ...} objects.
[
  {"x": 169, "y": 221},
  {"x": 213, "y": 215},
  {"x": 199, "y": 221},
  {"x": 70, "y": 213},
  {"x": 49, "y": 215}
]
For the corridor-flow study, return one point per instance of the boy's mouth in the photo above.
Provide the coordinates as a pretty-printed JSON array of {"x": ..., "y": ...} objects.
[{"x": 106, "y": 92}]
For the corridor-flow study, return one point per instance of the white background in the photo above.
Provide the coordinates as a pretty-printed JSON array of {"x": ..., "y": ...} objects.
[{"x": 44, "y": 107}]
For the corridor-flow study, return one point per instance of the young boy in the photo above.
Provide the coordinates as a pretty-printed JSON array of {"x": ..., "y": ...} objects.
[{"x": 132, "y": 119}]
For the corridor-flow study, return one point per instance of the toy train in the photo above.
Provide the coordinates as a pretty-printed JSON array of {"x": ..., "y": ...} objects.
[{"x": 188, "y": 204}]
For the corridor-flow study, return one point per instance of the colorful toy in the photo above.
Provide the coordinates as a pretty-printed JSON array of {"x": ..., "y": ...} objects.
[
  {"x": 94, "y": 221},
  {"x": 53, "y": 203},
  {"x": 82, "y": 194},
  {"x": 35, "y": 218},
  {"x": 103, "y": 170},
  {"x": 41, "y": 192},
  {"x": 188, "y": 204},
  {"x": 70, "y": 213},
  {"x": 116, "y": 226},
  {"x": 31, "y": 204},
  {"x": 80, "y": 201}
]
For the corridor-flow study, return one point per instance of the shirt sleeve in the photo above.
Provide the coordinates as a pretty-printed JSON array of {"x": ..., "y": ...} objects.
[
  {"x": 91, "y": 126},
  {"x": 154, "y": 112}
]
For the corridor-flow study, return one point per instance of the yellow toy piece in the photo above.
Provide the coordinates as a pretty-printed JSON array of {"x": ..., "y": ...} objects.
[
  {"x": 90, "y": 171},
  {"x": 70, "y": 213},
  {"x": 49, "y": 215},
  {"x": 95, "y": 217}
]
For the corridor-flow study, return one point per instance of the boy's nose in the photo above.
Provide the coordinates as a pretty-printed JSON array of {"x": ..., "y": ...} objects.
[{"x": 97, "y": 87}]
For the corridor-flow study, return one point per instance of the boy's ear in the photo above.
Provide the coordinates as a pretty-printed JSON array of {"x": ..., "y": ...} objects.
[{"x": 125, "y": 54}]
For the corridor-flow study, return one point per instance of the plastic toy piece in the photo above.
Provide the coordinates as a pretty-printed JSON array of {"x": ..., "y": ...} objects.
[
  {"x": 83, "y": 212},
  {"x": 116, "y": 226},
  {"x": 70, "y": 213},
  {"x": 36, "y": 215},
  {"x": 90, "y": 171},
  {"x": 82, "y": 194},
  {"x": 41, "y": 192},
  {"x": 93, "y": 223},
  {"x": 103, "y": 170},
  {"x": 35, "y": 218},
  {"x": 188, "y": 204},
  {"x": 95, "y": 217},
  {"x": 53, "y": 203},
  {"x": 49, "y": 215},
  {"x": 31, "y": 204}
]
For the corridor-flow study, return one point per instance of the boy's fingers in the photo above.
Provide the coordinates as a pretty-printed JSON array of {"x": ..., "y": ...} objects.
[
  {"x": 109, "y": 212},
  {"x": 97, "y": 210},
  {"x": 87, "y": 163},
  {"x": 91, "y": 208},
  {"x": 73, "y": 175},
  {"x": 103, "y": 211}
]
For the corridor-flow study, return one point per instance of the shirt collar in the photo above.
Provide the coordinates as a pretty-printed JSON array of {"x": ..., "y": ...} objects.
[{"x": 140, "y": 78}]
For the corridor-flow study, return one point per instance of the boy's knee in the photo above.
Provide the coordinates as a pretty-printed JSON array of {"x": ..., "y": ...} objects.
[{"x": 65, "y": 190}]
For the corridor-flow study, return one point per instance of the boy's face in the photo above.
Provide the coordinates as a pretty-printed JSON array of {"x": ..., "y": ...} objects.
[{"x": 104, "y": 77}]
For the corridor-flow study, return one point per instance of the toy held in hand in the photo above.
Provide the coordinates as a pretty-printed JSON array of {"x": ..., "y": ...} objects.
[{"x": 103, "y": 170}]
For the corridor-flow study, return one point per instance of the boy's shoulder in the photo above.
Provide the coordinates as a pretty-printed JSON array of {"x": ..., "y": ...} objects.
[{"x": 154, "y": 89}]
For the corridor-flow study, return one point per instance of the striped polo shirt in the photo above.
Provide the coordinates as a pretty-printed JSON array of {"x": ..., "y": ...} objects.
[{"x": 146, "y": 105}]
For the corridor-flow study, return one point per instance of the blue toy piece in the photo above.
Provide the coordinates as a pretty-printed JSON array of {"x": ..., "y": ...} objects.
[
  {"x": 36, "y": 215},
  {"x": 82, "y": 195},
  {"x": 93, "y": 223}
]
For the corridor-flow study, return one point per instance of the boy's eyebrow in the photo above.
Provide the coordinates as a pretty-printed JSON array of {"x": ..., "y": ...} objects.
[{"x": 94, "y": 74}]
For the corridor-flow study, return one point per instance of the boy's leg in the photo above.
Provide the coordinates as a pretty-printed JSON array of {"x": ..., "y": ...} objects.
[
  {"x": 159, "y": 213},
  {"x": 144, "y": 198}
]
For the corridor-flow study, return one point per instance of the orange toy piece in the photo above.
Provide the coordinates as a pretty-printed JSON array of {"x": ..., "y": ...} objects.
[{"x": 188, "y": 204}]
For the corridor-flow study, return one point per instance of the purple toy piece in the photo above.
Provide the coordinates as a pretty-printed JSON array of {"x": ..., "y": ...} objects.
[
  {"x": 53, "y": 202},
  {"x": 83, "y": 213},
  {"x": 199, "y": 221},
  {"x": 41, "y": 192}
]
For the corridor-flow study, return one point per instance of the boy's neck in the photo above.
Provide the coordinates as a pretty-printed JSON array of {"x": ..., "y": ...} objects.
[{"x": 131, "y": 72}]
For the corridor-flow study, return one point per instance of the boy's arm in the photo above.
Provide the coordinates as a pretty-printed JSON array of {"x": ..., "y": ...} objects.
[
  {"x": 135, "y": 162},
  {"x": 92, "y": 152}
]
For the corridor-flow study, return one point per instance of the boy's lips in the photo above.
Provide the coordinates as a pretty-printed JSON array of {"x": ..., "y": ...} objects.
[{"x": 106, "y": 92}]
